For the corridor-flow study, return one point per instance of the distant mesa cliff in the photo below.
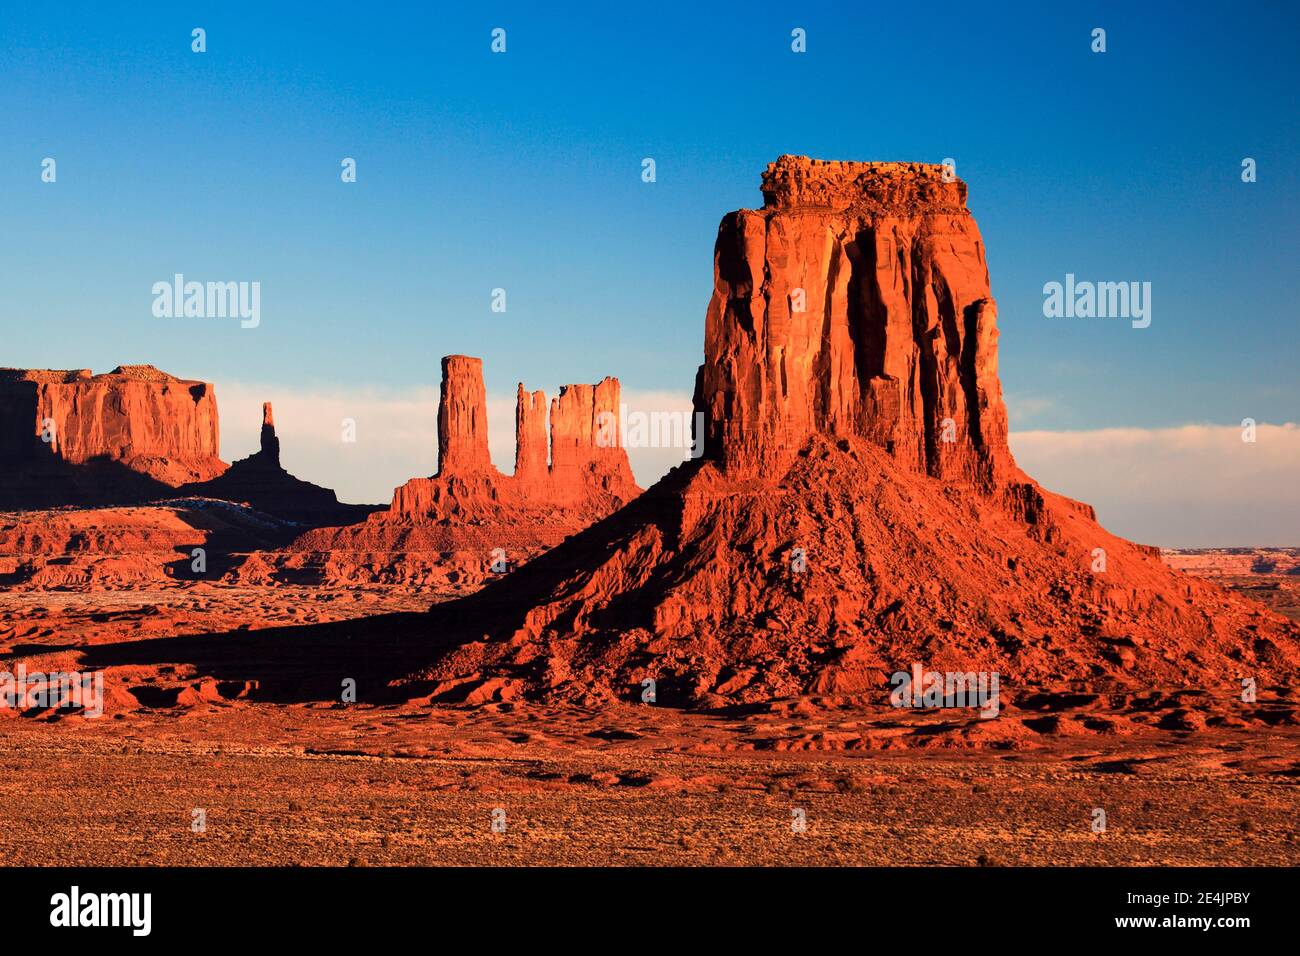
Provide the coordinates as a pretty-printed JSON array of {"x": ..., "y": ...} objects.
[
  {"x": 72, "y": 437},
  {"x": 134, "y": 435},
  {"x": 135, "y": 416}
]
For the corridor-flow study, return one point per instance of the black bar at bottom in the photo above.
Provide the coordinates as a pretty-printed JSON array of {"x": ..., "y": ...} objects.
[{"x": 758, "y": 906}]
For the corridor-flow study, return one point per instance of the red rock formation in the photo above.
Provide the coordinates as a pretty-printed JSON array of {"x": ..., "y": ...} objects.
[
  {"x": 269, "y": 444},
  {"x": 585, "y": 453},
  {"x": 856, "y": 510},
  {"x": 103, "y": 549},
  {"x": 261, "y": 482},
  {"x": 586, "y": 467},
  {"x": 135, "y": 435},
  {"x": 131, "y": 435},
  {"x": 855, "y": 303},
  {"x": 531, "y": 444},
  {"x": 135, "y": 416},
  {"x": 462, "y": 417},
  {"x": 452, "y": 528}
]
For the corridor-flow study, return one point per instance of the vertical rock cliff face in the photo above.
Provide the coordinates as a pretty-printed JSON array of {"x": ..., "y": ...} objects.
[
  {"x": 585, "y": 453},
  {"x": 587, "y": 469},
  {"x": 462, "y": 417},
  {"x": 855, "y": 303},
  {"x": 856, "y": 509},
  {"x": 135, "y": 419}
]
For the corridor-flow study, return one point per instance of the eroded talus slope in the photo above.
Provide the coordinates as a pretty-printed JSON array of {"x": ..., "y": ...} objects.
[
  {"x": 844, "y": 571},
  {"x": 128, "y": 547}
]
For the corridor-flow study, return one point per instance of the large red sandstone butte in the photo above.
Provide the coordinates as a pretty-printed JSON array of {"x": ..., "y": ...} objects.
[
  {"x": 137, "y": 435},
  {"x": 452, "y": 528},
  {"x": 74, "y": 437},
  {"x": 856, "y": 510},
  {"x": 856, "y": 303}
]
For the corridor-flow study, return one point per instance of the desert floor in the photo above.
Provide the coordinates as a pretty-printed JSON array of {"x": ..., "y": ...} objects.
[{"x": 284, "y": 775}]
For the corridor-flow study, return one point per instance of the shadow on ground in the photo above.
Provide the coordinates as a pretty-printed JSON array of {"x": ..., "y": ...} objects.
[{"x": 295, "y": 664}]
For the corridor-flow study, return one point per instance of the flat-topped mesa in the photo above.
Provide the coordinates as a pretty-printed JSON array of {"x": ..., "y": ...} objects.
[
  {"x": 462, "y": 418},
  {"x": 45, "y": 376},
  {"x": 135, "y": 416},
  {"x": 855, "y": 303}
]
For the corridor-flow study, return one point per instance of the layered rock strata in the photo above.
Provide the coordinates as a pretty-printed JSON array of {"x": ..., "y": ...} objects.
[{"x": 130, "y": 435}]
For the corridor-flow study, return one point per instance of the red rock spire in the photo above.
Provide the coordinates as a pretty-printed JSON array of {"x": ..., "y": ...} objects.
[
  {"x": 270, "y": 444},
  {"x": 583, "y": 418},
  {"x": 462, "y": 417},
  {"x": 530, "y": 438},
  {"x": 584, "y": 470}
]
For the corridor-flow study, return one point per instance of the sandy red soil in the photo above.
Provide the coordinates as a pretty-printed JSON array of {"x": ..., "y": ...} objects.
[{"x": 287, "y": 775}]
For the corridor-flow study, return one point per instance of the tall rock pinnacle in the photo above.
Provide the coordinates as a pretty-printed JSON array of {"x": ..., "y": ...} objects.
[
  {"x": 455, "y": 527},
  {"x": 270, "y": 444},
  {"x": 585, "y": 471},
  {"x": 462, "y": 417},
  {"x": 530, "y": 437}
]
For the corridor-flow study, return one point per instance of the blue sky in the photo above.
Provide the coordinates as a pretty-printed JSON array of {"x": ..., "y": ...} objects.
[{"x": 522, "y": 171}]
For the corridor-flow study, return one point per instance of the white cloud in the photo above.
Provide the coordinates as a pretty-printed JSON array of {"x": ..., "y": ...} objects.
[
  {"x": 1022, "y": 408},
  {"x": 1189, "y": 486},
  {"x": 1195, "y": 485},
  {"x": 651, "y": 464},
  {"x": 396, "y": 434}
]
